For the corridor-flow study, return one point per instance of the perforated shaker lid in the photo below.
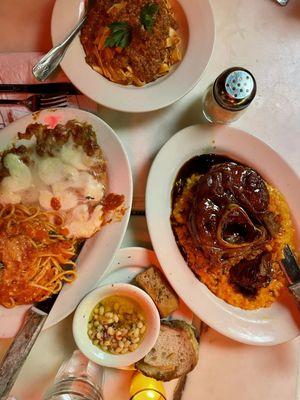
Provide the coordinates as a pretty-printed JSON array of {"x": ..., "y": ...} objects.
[{"x": 235, "y": 88}]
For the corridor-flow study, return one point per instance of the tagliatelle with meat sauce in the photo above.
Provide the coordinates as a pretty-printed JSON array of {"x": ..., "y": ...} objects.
[{"x": 131, "y": 42}]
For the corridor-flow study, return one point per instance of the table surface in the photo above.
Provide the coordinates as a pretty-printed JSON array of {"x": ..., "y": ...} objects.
[{"x": 258, "y": 35}]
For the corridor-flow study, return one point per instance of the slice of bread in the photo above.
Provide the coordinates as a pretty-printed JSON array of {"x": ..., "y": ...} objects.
[
  {"x": 154, "y": 372},
  {"x": 154, "y": 283},
  {"x": 174, "y": 354}
]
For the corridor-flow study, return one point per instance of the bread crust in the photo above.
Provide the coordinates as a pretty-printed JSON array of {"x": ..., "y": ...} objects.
[
  {"x": 155, "y": 284},
  {"x": 167, "y": 370}
]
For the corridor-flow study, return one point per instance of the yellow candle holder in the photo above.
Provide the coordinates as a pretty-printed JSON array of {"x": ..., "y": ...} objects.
[{"x": 144, "y": 388}]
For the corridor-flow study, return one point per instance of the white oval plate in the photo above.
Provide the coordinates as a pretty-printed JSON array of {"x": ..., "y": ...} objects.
[
  {"x": 266, "y": 326},
  {"x": 197, "y": 25},
  {"x": 98, "y": 252}
]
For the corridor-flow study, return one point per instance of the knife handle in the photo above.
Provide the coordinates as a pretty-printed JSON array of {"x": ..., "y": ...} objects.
[
  {"x": 40, "y": 88},
  {"x": 295, "y": 290},
  {"x": 19, "y": 349},
  {"x": 15, "y": 88}
]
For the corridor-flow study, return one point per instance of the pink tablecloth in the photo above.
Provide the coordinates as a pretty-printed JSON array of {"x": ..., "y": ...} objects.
[{"x": 16, "y": 68}]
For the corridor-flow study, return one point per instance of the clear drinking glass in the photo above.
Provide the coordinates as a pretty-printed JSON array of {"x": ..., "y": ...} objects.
[{"x": 77, "y": 379}]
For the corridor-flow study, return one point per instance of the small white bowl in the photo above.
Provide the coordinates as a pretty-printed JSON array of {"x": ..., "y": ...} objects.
[{"x": 83, "y": 312}]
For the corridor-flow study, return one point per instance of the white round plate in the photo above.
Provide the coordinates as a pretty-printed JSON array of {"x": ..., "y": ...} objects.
[
  {"x": 197, "y": 27},
  {"x": 98, "y": 252},
  {"x": 266, "y": 326},
  {"x": 127, "y": 263}
]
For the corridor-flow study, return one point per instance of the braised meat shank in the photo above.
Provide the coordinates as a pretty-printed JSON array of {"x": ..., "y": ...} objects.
[
  {"x": 230, "y": 222},
  {"x": 250, "y": 275}
]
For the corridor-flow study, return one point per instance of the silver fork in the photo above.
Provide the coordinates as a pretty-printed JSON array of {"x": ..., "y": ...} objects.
[{"x": 38, "y": 101}]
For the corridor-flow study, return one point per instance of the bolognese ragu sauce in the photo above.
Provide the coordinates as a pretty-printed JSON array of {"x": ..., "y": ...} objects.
[{"x": 146, "y": 51}]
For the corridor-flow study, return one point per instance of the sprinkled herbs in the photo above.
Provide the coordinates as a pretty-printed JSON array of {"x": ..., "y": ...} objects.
[
  {"x": 120, "y": 35},
  {"x": 148, "y": 15}
]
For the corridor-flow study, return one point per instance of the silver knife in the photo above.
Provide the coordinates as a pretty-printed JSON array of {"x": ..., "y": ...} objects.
[
  {"x": 40, "y": 88},
  {"x": 291, "y": 269},
  {"x": 18, "y": 351},
  {"x": 181, "y": 383}
]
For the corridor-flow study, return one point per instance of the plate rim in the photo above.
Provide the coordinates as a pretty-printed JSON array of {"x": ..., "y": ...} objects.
[
  {"x": 139, "y": 250},
  {"x": 168, "y": 147},
  {"x": 31, "y": 118},
  {"x": 140, "y": 105}
]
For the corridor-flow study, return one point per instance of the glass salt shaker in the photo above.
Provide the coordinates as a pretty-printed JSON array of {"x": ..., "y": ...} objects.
[
  {"x": 229, "y": 96},
  {"x": 77, "y": 379}
]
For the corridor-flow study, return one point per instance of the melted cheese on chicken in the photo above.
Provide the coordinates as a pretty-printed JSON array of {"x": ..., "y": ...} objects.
[{"x": 62, "y": 182}]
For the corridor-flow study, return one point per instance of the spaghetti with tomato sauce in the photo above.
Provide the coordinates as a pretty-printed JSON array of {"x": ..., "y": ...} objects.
[
  {"x": 36, "y": 256},
  {"x": 53, "y": 195}
]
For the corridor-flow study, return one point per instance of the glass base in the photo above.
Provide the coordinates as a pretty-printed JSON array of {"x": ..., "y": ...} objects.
[
  {"x": 74, "y": 389},
  {"x": 207, "y": 117},
  {"x": 213, "y": 120}
]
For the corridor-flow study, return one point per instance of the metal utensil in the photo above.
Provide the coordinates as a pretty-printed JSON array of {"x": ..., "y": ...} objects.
[
  {"x": 40, "y": 88},
  {"x": 18, "y": 351},
  {"x": 179, "y": 388},
  {"x": 291, "y": 269},
  {"x": 181, "y": 383},
  {"x": 140, "y": 213},
  {"x": 282, "y": 2},
  {"x": 44, "y": 68},
  {"x": 38, "y": 101}
]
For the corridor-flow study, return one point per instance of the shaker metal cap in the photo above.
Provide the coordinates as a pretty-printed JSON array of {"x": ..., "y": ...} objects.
[
  {"x": 239, "y": 84},
  {"x": 234, "y": 89}
]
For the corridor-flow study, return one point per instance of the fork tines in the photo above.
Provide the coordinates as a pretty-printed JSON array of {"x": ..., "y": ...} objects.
[{"x": 48, "y": 101}]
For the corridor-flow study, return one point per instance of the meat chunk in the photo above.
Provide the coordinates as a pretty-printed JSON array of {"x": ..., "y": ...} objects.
[
  {"x": 251, "y": 275},
  {"x": 272, "y": 223},
  {"x": 225, "y": 218}
]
